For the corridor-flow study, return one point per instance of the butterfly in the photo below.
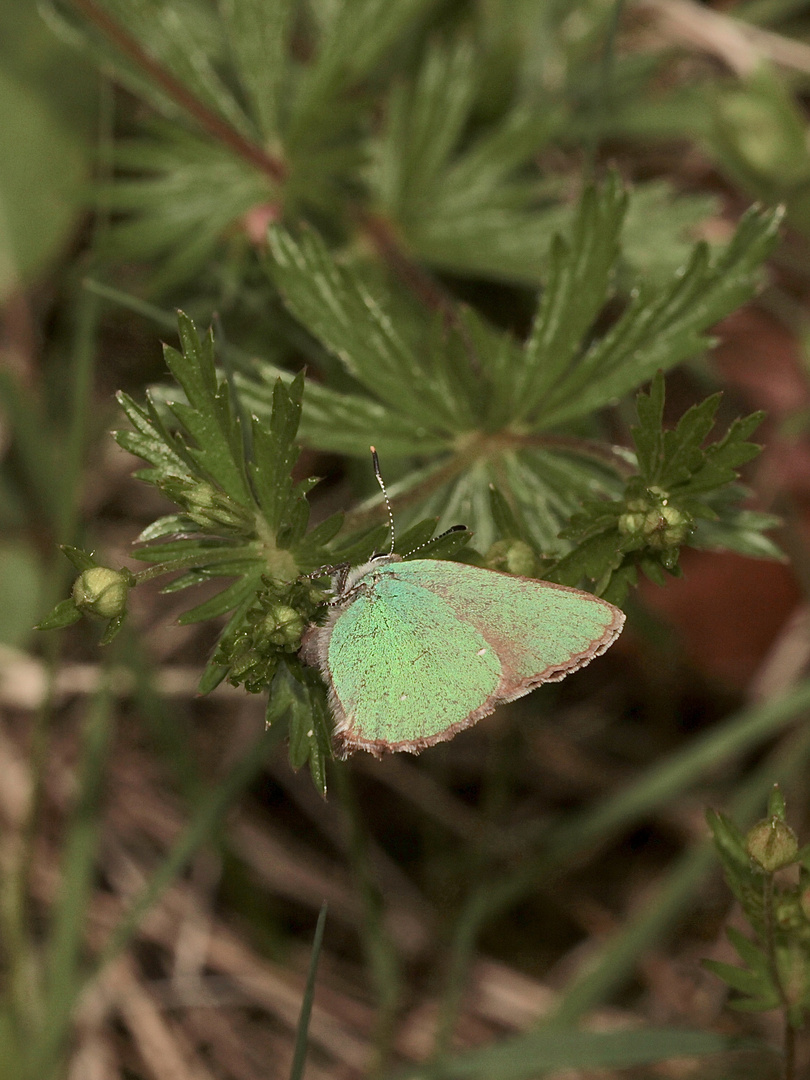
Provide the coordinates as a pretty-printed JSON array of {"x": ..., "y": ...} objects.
[{"x": 415, "y": 650}]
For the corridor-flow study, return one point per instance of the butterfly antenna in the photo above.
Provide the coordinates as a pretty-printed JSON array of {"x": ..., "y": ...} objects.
[
  {"x": 435, "y": 539},
  {"x": 381, "y": 482}
]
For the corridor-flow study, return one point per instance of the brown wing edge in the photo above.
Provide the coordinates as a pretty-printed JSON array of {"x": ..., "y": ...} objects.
[{"x": 509, "y": 688}]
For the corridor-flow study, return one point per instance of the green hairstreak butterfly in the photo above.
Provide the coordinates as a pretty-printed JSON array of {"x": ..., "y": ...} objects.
[{"x": 415, "y": 650}]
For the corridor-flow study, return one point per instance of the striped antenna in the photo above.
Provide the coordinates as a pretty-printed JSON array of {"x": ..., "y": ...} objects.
[
  {"x": 378, "y": 474},
  {"x": 436, "y": 539}
]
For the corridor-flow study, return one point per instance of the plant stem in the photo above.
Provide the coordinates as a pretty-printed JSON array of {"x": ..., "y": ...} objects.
[{"x": 770, "y": 951}]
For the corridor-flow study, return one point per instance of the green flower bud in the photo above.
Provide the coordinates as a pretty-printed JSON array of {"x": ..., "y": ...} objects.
[
  {"x": 512, "y": 557},
  {"x": 787, "y": 911},
  {"x": 283, "y": 626},
  {"x": 102, "y": 591},
  {"x": 632, "y": 523},
  {"x": 670, "y": 528},
  {"x": 212, "y": 508},
  {"x": 771, "y": 844}
]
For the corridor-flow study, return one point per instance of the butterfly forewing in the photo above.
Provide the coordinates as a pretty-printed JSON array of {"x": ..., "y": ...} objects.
[{"x": 404, "y": 668}]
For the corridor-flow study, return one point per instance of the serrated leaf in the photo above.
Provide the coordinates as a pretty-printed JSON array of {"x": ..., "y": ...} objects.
[
  {"x": 187, "y": 191},
  {"x": 503, "y": 516},
  {"x": 749, "y": 952},
  {"x": 728, "y": 839},
  {"x": 576, "y": 289},
  {"x": 662, "y": 330},
  {"x": 185, "y": 581},
  {"x": 195, "y": 554},
  {"x": 347, "y": 423},
  {"x": 275, "y": 453},
  {"x": 169, "y": 525},
  {"x": 150, "y": 440},
  {"x": 648, "y": 437},
  {"x": 185, "y": 39},
  {"x": 341, "y": 313},
  {"x": 209, "y": 416},
  {"x": 353, "y": 41}
]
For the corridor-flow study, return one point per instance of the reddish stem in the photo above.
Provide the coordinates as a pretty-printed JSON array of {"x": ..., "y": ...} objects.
[{"x": 180, "y": 94}]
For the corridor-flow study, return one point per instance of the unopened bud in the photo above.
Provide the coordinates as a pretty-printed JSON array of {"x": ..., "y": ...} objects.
[
  {"x": 102, "y": 591},
  {"x": 771, "y": 844},
  {"x": 283, "y": 626},
  {"x": 512, "y": 557}
]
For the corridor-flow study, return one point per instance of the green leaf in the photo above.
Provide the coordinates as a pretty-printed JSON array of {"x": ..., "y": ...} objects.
[
  {"x": 224, "y": 601},
  {"x": 112, "y": 629},
  {"x": 186, "y": 39},
  {"x": 82, "y": 560},
  {"x": 63, "y": 614},
  {"x": 346, "y": 423},
  {"x": 746, "y": 982},
  {"x": 178, "y": 195},
  {"x": 355, "y": 35},
  {"x": 658, "y": 331},
  {"x": 351, "y": 323},
  {"x": 576, "y": 289},
  {"x": 257, "y": 37},
  {"x": 302, "y": 1030},
  {"x": 679, "y": 480},
  {"x": 275, "y": 453},
  {"x": 209, "y": 415},
  {"x": 424, "y": 125},
  {"x": 464, "y": 205},
  {"x": 169, "y": 525},
  {"x": 151, "y": 441}
]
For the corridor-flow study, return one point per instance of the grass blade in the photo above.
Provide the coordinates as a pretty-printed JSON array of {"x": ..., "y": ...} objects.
[{"x": 302, "y": 1032}]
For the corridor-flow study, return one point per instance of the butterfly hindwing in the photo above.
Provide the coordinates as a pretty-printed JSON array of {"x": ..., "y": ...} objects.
[{"x": 541, "y": 631}]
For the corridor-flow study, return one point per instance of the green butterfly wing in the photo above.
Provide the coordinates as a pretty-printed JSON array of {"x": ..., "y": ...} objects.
[
  {"x": 426, "y": 648},
  {"x": 541, "y": 631},
  {"x": 404, "y": 668}
]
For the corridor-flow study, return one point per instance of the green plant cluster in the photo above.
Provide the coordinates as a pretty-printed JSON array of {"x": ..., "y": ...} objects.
[
  {"x": 769, "y": 874},
  {"x": 370, "y": 120},
  {"x": 665, "y": 503},
  {"x": 505, "y": 433}
]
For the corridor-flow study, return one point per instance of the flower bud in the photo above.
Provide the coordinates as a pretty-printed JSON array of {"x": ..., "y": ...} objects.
[
  {"x": 671, "y": 527},
  {"x": 102, "y": 591},
  {"x": 512, "y": 557},
  {"x": 632, "y": 523},
  {"x": 771, "y": 844},
  {"x": 212, "y": 508},
  {"x": 283, "y": 626}
]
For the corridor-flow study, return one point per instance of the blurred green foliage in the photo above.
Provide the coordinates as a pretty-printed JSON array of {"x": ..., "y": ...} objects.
[{"x": 411, "y": 198}]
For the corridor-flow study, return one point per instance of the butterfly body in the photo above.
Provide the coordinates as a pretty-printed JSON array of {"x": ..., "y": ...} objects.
[{"x": 415, "y": 651}]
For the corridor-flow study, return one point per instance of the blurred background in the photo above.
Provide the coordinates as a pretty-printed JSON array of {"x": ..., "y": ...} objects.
[{"x": 551, "y": 863}]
